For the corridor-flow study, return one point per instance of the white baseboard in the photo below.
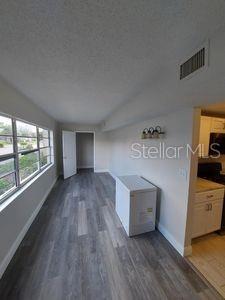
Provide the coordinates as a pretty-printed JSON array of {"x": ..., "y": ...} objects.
[
  {"x": 85, "y": 167},
  {"x": 187, "y": 250},
  {"x": 101, "y": 171},
  {"x": 113, "y": 175},
  {"x": 105, "y": 171},
  {"x": 184, "y": 251},
  {"x": 171, "y": 239},
  {"x": 21, "y": 235}
]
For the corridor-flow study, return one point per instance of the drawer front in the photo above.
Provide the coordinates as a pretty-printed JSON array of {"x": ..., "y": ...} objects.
[{"x": 209, "y": 196}]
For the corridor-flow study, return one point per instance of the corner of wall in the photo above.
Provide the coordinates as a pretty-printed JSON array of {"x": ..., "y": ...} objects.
[
  {"x": 180, "y": 248},
  {"x": 193, "y": 175}
]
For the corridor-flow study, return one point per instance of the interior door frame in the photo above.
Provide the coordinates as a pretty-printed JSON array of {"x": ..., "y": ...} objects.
[
  {"x": 72, "y": 131},
  {"x": 88, "y": 131}
]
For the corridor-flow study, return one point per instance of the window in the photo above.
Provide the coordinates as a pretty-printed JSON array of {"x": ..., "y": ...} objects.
[
  {"x": 44, "y": 144},
  {"x": 26, "y": 136},
  {"x": 27, "y": 145},
  {"x": 25, "y": 150},
  {"x": 7, "y": 161},
  {"x": 6, "y": 136}
]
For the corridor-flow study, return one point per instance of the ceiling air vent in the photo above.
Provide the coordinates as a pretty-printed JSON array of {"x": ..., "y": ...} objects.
[{"x": 193, "y": 64}]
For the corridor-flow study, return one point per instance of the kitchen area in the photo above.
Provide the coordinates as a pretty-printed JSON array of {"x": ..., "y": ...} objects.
[{"x": 208, "y": 218}]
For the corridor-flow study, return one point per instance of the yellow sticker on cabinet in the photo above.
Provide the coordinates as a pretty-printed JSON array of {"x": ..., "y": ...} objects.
[{"x": 149, "y": 209}]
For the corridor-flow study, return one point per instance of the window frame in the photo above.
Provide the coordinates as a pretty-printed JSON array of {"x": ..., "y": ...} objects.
[
  {"x": 44, "y": 147},
  {"x": 16, "y": 153}
]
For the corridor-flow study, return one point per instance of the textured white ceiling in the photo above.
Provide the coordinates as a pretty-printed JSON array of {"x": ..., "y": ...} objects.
[{"x": 80, "y": 60}]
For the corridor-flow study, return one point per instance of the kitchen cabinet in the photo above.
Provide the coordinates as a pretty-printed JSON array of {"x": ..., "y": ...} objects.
[
  {"x": 214, "y": 215},
  {"x": 199, "y": 223},
  {"x": 218, "y": 125},
  {"x": 204, "y": 135},
  {"x": 208, "y": 125},
  {"x": 207, "y": 212}
]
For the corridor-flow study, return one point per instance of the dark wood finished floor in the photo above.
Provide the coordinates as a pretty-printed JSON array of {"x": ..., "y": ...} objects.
[{"x": 77, "y": 249}]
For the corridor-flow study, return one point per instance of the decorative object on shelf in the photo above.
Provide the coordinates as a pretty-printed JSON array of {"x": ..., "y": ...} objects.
[
  {"x": 152, "y": 133},
  {"x": 144, "y": 133}
]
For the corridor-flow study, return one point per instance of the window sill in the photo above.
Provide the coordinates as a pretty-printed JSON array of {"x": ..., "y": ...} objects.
[{"x": 18, "y": 192}]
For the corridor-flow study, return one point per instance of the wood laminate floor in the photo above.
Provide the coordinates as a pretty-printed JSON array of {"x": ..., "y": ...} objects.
[
  {"x": 208, "y": 256},
  {"x": 77, "y": 249}
]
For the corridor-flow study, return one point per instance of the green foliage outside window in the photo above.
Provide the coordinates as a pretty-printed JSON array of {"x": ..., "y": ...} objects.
[
  {"x": 6, "y": 183},
  {"x": 5, "y": 129},
  {"x": 29, "y": 163}
]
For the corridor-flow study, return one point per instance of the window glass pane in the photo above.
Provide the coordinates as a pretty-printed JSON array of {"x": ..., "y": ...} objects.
[
  {"x": 5, "y": 125},
  {"x": 45, "y": 156},
  {"x": 25, "y": 129},
  {"x": 6, "y": 166},
  {"x": 26, "y": 143},
  {"x": 52, "y": 146},
  {"x": 6, "y": 145},
  {"x": 44, "y": 143},
  {"x": 43, "y": 133},
  {"x": 28, "y": 164},
  {"x": 7, "y": 183}
]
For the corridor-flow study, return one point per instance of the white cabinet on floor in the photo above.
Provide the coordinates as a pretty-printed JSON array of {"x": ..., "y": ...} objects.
[
  {"x": 136, "y": 204},
  {"x": 207, "y": 212}
]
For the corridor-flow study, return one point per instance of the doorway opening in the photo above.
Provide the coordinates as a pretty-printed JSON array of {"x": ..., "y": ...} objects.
[
  {"x": 85, "y": 151},
  {"x": 207, "y": 213}
]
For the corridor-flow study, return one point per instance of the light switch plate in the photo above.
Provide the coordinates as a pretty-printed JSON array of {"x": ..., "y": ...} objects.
[{"x": 183, "y": 173}]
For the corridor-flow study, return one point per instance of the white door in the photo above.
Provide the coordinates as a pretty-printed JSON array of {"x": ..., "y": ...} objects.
[{"x": 69, "y": 153}]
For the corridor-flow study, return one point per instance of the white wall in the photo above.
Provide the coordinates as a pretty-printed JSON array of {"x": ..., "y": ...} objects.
[
  {"x": 164, "y": 173},
  {"x": 16, "y": 215},
  {"x": 101, "y": 145},
  {"x": 85, "y": 150},
  {"x": 166, "y": 92}
]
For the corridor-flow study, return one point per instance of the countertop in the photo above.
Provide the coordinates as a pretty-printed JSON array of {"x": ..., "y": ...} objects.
[{"x": 204, "y": 185}]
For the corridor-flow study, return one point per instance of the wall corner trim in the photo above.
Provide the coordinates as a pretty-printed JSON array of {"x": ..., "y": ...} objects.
[
  {"x": 113, "y": 175},
  {"x": 85, "y": 167},
  {"x": 180, "y": 249},
  {"x": 101, "y": 171},
  {"x": 188, "y": 250},
  {"x": 23, "y": 232}
]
